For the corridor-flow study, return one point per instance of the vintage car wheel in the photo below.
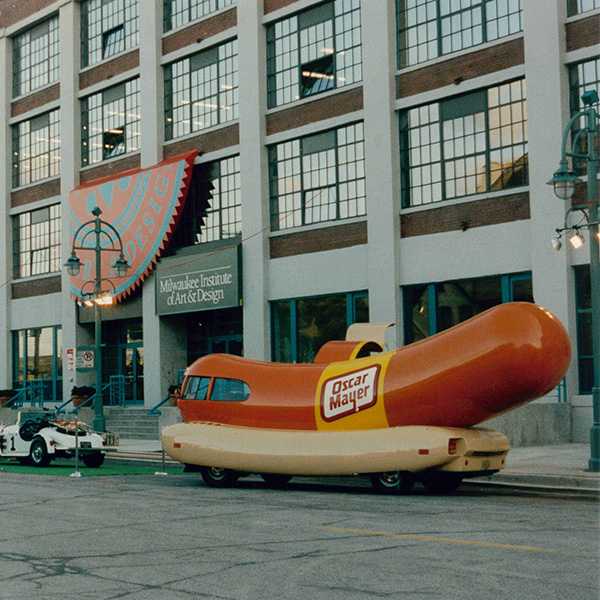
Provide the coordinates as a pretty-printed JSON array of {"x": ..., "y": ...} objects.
[
  {"x": 38, "y": 454},
  {"x": 218, "y": 477},
  {"x": 93, "y": 460},
  {"x": 392, "y": 482},
  {"x": 275, "y": 480},
  {"x": 440, "y": 482}
]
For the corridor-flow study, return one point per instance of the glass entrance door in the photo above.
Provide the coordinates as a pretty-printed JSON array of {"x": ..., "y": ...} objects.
[
  {"x": 231, "y": 344},
  {"x": 133, "y": 369}
]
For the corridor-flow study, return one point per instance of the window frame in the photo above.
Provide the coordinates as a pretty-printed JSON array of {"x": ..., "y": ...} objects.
[
  {"x": 30, "y": 243},
  {"x": 437, "y": 23},
  {"x": 195, "y": 10},
  {"x": 227, "y": 92},
  {"x": 347, "y": 169},
  {"x": 48, "y": 64},
  {"x": 285, "y": 50},
  {"x": 123, "y": 132},
  {"x": 431, "y": 174},
  {"x": 94, "y": 14},
  {"x": 51, "y": 133}
]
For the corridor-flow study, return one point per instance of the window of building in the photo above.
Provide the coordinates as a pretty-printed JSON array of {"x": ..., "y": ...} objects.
[
  {"x": 214, "y": 331},
  {"x": 180, "y": 12},
  {"x": 583, "y": 77},
  {"x": 110, "y": 123},
  {"x": 36, "y": 242},
  {"x": 201, "y": 91},
  {"x": 585, "y": 350},
  {"x": 301, "y": 326},
  {"x": 36, "y": 57},
  {"x": 318, "y": 178},
  {"x": 466, "y": 145},
  {"x": 313, "y": 51},
  {"x": 431, "y": 28},
  {"x": 37, "y": 361},
  {"x": 36, "y": 149},
  {"x": 434, "y": 307},
  {"x": 107, "y": 28},
  {"x": 213, "y": 208},
  {"x": 576, "y": 7}
]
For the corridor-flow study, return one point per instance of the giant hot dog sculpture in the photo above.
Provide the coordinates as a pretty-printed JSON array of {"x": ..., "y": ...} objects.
[{"x": 411, "y": 409}]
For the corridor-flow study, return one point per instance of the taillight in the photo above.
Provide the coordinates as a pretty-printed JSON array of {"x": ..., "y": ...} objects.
[{"x": 452, "y": 444}]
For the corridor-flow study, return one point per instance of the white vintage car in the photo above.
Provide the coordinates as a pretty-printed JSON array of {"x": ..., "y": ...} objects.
[{"x": 39, "y": 436}]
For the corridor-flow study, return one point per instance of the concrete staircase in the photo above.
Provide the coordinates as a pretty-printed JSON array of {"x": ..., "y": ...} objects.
[{"x": 132, "y": 423}]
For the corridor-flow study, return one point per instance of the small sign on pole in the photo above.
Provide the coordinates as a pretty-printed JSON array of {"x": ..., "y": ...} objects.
[
  {"x": 85, "y": 358},
  {"x": 70, "y": 359}
]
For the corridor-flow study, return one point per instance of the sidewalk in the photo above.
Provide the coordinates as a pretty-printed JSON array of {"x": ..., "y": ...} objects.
[{"x": 563, "y": 466}]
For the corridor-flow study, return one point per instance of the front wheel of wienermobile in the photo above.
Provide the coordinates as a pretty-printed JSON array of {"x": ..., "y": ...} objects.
[
  {"x": 392, "y": 482},
  {"x": 218, "y": 477}
]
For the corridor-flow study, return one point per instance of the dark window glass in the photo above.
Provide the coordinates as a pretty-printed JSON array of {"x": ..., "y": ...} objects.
[
  {"x": 229, "y": 390},
  {"x": 36, "y": 57},
  {"x": 584, "y": 77},
  {"x": 37, "y": 362},
  {"x": 201, "y": 91},
  {"x": 585, "y": 352},
  {"x": 301, "y": 326},
  {"x": 196, "y": 388},
  {"x": 107, "y": 28},
  {"x": 457, "y": 301},
  {"x": 313, "y": 51},
  {"x": 468, "y": 145},
  {"x": 37, "y": 242},
  {"x": 318, "y": 178},
  {"x": 213, "y": 206},
  {"x": 431, "y": 28},
  {"x": 180, "y": 12},
  {"x": 576, "y": 7},
  {"x": 110, "y": 123}
]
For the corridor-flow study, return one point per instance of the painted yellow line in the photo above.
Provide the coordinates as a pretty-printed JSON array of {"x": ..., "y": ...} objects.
[{"x": 435, "y": 539}]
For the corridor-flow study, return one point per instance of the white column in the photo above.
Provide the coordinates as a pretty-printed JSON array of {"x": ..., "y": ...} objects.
[
  {"x": 547, "y": 108},
  {"x": 254, "y": 179},
  {"x": 156, "y": 347},
  {"x": 70, "y": 160},
  {"x": 382, "y": 162},
  {"x": 5, "y": 220}
]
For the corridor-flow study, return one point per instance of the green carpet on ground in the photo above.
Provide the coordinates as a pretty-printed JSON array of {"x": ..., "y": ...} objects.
[{"x": 64, "y": 468}]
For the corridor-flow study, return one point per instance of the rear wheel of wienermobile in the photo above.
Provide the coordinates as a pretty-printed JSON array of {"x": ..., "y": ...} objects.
[
  {"x": 392, "y": 482},
  {"x": 218, "y": 477},
  {"x": 440, "y": 482}
]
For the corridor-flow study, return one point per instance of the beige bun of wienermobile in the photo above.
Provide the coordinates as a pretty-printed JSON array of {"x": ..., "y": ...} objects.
[{"x": 399, "y": 416}]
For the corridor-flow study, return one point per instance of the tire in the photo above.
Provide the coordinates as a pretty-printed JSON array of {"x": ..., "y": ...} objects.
[
  {"x": 93, "y": 460},
  {"x": 392, "y": 482},
  {"x": 276, "y": 480},
  {"x": 217, "y": 477},
  {"x": 38, "y": 453},
  {"x": 441, "y": 482}
]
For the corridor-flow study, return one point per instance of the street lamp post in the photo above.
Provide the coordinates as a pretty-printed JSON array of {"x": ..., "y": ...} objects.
[
  {"x": 101, "y": 231},
  {"x": 564, "y": 186}
]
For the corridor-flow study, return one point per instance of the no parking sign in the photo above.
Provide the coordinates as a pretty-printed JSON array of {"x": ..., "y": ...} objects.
[{"x": 85, "y": 358}]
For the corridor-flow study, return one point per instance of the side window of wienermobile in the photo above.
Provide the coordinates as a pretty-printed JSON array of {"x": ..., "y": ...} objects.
[
  {"x": 229, "y": 390},
  {"x": 196, "y": 388}
]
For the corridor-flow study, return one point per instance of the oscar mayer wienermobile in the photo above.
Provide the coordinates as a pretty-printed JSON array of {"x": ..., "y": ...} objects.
[{"x": 398, "y": 416}]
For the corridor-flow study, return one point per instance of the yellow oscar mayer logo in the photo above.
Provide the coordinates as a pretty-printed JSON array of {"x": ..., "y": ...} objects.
[{"x": 350, "y": 395}]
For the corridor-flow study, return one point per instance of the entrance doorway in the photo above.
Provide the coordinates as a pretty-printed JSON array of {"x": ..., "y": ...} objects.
[{"x": 214, "y": 331}]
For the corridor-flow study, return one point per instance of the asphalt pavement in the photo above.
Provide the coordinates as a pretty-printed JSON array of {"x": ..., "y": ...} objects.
[{"x": 560, "y": 467}]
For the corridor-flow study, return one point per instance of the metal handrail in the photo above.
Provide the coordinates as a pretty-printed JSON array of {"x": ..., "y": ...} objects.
[{"x": 154, "y": 410}]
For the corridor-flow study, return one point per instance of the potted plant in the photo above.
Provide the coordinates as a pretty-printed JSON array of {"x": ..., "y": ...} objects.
[
  {"x": 6, "y": 397},
  {"x": 81, "y": 394}
]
